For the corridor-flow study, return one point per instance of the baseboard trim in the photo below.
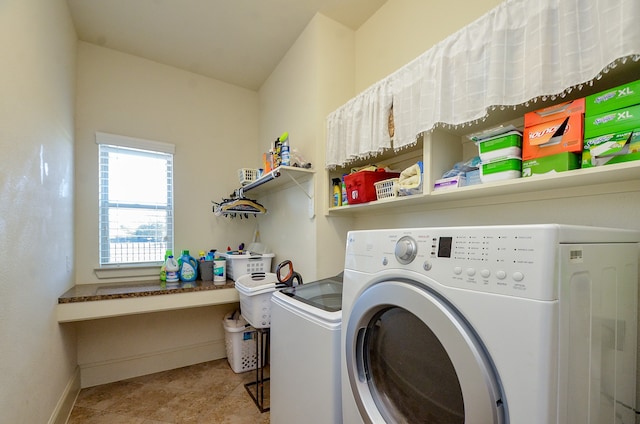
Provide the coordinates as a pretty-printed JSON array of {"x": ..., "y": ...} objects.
[
  {"x": 93, "y": 374},
  {"x": 65, "y": 404}
]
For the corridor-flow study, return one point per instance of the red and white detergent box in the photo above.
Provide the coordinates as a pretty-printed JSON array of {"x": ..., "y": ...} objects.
[{"x": 555, "y": 129}]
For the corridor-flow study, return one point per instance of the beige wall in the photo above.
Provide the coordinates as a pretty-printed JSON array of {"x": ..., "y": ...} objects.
[
  {"x": 404, "y": 29},
  {"x": 37, "y": 356},
  {"x": 214, "y": 127},
  {"x": 314, "y": 77}
]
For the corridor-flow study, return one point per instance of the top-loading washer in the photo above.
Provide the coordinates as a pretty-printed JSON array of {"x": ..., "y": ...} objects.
[
  {"x": 503, "y": 324},
  {"x": 305, "y": 353}
]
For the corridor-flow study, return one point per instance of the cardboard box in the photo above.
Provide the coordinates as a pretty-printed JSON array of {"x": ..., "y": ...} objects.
[
  {"x": 611, "y": 148},
  {"x": 508, "y": 144},
  {"x": 553, "y": 137},
  {"x": 614, "y": 98},
  {"x": 555, "y": 112},
  {"x": 505, "y": 168},
  {"x": 360, "y": 185},
  {"x": 551, "y": 164},
  {"x": 616, "y": 121},
  {"x": 449, "y": 183}
]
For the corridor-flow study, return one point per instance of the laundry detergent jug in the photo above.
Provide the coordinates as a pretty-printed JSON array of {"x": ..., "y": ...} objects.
[
  {"x": 172, "y": 269},
  {"x": 188, "y": 267}
]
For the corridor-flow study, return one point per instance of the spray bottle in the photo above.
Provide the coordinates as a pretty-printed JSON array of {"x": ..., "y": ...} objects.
[
  {"x": 285, "y": 154},
  {"x": 337, "y": 192}
]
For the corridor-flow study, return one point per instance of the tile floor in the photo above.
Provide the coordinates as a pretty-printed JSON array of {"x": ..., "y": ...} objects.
[{"x": 203, "y": 393}]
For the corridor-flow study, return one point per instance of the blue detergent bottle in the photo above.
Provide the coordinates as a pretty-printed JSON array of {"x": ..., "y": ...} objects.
[{"x": 188, "y": 267}]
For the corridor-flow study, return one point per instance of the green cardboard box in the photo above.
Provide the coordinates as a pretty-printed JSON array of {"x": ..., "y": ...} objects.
[
  {"x": 611, "y": 148},
  {"x": 550, "y": 164},
  {"x": 615, "y": 98},
  {"x": 616, "y": 121}
]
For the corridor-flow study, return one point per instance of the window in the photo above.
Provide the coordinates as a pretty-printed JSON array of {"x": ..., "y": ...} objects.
[{"x": 136, "y": 200}]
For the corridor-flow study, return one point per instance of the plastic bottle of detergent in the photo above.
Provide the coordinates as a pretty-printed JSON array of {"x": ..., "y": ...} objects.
[
  {"x": 163, "y": 268},
  {"x": 171, "y": 268},
  {"x": 188, "y": 267}
]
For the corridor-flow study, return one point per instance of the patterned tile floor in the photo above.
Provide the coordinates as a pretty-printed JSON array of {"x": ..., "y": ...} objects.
[{"x": 203, "y": 393}]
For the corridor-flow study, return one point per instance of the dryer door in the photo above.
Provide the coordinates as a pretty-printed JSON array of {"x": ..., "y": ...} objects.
[{"x": 412, "y": 358}]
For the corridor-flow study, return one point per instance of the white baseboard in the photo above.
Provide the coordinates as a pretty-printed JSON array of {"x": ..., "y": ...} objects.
[
  {"x": 93, "y": 374},
  {"x": 65, "y": 404}
]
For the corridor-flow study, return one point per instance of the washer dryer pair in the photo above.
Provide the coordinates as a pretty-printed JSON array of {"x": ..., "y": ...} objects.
[{"x": 527, "y": 324}]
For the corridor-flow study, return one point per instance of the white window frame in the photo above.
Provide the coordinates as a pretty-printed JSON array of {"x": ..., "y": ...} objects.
[{"x": 105, "y": 270}]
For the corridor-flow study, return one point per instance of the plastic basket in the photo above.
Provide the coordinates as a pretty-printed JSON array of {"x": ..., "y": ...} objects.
[
  {"x": 240, "y": 343},
  {"x": 255, "y": 292},
  {"x": 387, "y": 189},
  {"x": 247, "y": 175},
  {"x": 239, "y": 265}
]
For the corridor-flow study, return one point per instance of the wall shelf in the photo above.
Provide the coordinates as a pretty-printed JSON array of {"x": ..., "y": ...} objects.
[
  {"x": 622, "y": 177},
  {"x": 281, "y": 177},
  {"x": 442, "y": 147}
]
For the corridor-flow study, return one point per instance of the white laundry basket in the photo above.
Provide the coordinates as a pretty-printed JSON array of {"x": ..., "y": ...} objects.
[
  {"x": 255, "y": 292},
  {"x": 240, "y": 341}
]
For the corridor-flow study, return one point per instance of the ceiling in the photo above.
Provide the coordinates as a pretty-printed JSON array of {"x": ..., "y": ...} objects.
[{"x": 236, "y": 41}]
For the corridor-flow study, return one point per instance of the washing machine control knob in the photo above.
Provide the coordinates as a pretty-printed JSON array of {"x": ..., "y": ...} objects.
[{"x": 406, "y": 250}]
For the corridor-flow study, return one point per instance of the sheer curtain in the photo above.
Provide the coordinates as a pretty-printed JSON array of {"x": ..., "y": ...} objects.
[{"x": 517, "y": 52}]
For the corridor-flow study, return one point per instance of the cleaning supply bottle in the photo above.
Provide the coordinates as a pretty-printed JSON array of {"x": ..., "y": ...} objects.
[
  {"x": 285, "y": 154},
  {"x": 337, "y": 192},
  {"x": 277, "y": 153},
  {"x": 172, "y": 268},
  {"x": 188, "y": 267},
  {"x": 163, "y": 269},
  {"x": 345, "y": 198}
]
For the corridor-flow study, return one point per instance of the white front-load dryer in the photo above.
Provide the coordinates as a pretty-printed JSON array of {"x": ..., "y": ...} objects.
[{"x": 480, "y": 325}]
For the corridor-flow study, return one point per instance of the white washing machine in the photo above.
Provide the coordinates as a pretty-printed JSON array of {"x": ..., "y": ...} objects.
[
  {"x": 305, "y": 353},
  {"x": 505, "y": 324}
]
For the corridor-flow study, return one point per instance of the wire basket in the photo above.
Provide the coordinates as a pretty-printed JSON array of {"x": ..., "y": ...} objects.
[
  {"x": 387, "y": 189},
  {"x": 247, "y": 175}
]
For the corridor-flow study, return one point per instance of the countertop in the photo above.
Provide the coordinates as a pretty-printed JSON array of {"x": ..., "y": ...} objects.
[
  {"x": 92, "y": 301},
  {"x": 93, "y": 292}
]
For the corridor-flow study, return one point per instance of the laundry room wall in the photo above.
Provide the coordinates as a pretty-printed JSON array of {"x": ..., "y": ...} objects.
[
  {"x": 214, "y": 127},
  {"x": 314, "y": 77},
  {"x": 403, "y": 29},
  {"x": 37, "y": 82}
]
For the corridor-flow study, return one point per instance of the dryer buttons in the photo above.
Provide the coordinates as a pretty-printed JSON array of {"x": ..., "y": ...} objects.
[{"x": 406, "y": 250}]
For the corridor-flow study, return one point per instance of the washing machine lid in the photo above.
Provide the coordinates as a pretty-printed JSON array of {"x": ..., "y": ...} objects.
[{"x": 322, "y": 294}]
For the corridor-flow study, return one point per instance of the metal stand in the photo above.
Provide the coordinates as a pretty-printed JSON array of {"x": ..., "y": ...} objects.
[{"x": 262, "y": 353}]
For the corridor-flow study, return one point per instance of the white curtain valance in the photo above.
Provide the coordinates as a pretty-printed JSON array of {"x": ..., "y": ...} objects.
[{"x": 517, "y": 52}]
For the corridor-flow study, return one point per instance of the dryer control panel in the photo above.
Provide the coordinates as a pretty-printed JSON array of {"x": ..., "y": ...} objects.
[{"x": 515, "y": 261}]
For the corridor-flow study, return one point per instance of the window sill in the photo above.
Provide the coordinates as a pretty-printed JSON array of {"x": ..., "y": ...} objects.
[
  {"x": 128, "y": 271},
  {"x": 93, "y": 301}
]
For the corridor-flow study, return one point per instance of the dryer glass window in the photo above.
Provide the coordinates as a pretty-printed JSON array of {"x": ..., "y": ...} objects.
[{"x": 411, "y": 377}]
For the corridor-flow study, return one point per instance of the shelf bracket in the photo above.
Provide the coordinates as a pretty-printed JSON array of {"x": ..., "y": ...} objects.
[{"x": 299, "y": 185}]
